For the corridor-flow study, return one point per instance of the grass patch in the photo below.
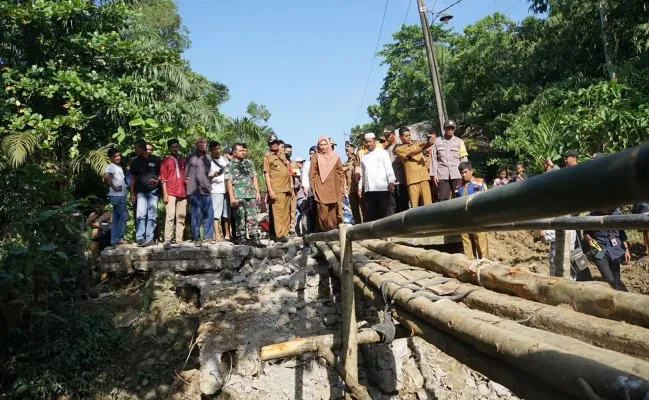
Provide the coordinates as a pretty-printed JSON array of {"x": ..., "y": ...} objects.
[{"x": 65, "y": 351}]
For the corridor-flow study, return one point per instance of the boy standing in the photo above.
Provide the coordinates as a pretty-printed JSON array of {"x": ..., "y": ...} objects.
[
  {"x": 475, "y": 244},
  {"x": 114, "y": 178}
]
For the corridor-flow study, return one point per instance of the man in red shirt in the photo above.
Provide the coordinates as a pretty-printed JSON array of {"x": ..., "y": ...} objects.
[{"x": 174, "y": 194}]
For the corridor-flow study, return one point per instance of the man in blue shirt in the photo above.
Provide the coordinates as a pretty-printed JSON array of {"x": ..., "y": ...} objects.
[{"x": 475, "y": 244}]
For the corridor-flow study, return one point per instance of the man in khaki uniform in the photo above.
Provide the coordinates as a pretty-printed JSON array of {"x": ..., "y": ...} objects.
[
  {"x": 350, "y": 168},
  {"x": 417, "y": 176},
  {"x": 278, "y": 183},
  {"x": 400, "y": 194}
]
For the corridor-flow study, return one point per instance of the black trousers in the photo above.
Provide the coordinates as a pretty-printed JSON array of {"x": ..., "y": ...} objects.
[
  {"x": 378, "y": 205},
  {"x": 400, "y": 198},
  {"x": 610, "y": 270},
  {"x": 446, "y": 188}
]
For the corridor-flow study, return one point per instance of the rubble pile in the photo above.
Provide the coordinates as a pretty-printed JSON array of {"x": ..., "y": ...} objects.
[{"x": 246, "y": 298}]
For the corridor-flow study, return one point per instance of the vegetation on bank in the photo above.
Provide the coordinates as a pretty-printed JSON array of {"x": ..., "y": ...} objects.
[
  {"x": 534, "y": 88},
  {"x": 77, "y": 78}
]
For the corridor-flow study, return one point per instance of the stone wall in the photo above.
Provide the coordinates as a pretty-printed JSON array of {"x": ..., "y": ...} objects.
[{"x": 186, "y": 258}]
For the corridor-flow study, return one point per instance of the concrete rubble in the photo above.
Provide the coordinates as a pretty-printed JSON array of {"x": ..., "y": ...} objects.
[{"x": 249, "y": 297}]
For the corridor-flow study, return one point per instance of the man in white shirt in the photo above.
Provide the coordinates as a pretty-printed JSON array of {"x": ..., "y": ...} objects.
[
  {"x": 377, "y": 180},
  {"x": 219, "y": 202},
  {"x": 114, "y": 177}
]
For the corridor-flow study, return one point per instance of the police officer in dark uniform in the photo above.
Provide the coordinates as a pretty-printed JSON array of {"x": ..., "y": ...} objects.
[{"x": 608, "y": 248}]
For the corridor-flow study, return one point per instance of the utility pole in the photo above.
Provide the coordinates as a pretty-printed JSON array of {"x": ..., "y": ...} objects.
[
  {"x": 432, "y": 65},
  {"x": 607, "y": 55}
]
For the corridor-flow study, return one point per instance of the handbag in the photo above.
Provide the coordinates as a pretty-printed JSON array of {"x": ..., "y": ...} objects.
[{"x": 578, "y": 259}]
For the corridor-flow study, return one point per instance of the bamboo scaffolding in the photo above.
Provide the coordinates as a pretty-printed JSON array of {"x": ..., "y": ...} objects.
[
  {"x": 519, "y": 382},
  {"x": 559, "y": 363},
  {"x": 624, "y": 338},
  {"x": 592, "y": 298}
]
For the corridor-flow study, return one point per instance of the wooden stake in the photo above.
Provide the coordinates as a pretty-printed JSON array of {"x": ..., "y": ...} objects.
[
  {"x": 299, "y": 346},
  {"x": 356, "y": 388},
  {"x": 350, "y": 348},
  {"x": 562, "y": 254}
]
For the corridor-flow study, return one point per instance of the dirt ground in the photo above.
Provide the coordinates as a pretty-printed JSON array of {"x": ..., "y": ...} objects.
[
  {"x": 519, "y": 248},
  {"x": 159, "y": 359}
]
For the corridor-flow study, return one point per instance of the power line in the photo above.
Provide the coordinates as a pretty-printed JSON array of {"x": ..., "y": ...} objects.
[
  {"x": 407, "y": 11},
  {"x": 378, "y": 42},
  {"x": 440, "y": 12}
]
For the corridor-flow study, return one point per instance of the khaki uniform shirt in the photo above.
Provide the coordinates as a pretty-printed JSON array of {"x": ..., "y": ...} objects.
[
  {"x": 415, "y": 166},
  {"x": 397, "y": 164},
  {"x": 350, "y": 167},
  {"x": 447, "y": 156},
  {"x": 277, "y": 168}
]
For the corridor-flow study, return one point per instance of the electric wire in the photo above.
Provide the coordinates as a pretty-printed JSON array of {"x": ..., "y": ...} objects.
[
  {"x": 407, "y": 12},
  {"x": 376, "y": 49},
  {"x": 444, "y": 9}
]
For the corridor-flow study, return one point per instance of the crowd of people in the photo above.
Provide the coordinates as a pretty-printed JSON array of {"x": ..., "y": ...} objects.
[{"x": 385, "y": 175}]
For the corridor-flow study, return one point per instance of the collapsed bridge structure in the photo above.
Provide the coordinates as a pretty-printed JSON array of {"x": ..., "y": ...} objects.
[
  {"x": 538, "y": 336},
  {"x": 581, "y": 339}
]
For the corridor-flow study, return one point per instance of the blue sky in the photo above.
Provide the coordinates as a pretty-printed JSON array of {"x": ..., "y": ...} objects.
[{"x": 307, "y": 61}]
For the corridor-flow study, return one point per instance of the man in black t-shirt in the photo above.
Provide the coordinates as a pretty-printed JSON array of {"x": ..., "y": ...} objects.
[{"x": 145, "y": 178}]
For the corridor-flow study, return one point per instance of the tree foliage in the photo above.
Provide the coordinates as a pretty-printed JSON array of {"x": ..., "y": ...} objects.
[
  {"x": 79, "y": 75},
  {"x": 535, "y": 87}
]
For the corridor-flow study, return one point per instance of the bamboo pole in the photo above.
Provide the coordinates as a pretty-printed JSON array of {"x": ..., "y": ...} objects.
[
  {"x": 624, "y": 338},
  {"x": 592, "y": 298},
  {"x": 519, "y": 382},
  {"x": 612, "y": 222},
  {"x": 628, "y": 184},
  {"x": 350, "y": 347},
  {"x": 516, "y": 380},
  {"x": 555, "y": 365},
  {"x": 356, "y": 388},
  {"x": 295, "y": 347}
]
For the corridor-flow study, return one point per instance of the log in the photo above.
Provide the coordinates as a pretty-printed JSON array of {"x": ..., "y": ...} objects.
[
  {"x": 554, "y": 365},
  {"x": 592, "y": 298},
  {"x": 624, "y": 338},
  {"x": 356, "y": 388},
  {"x": 569, "y": 344},
  {"x": 518, "y": 382},
  {"x": 295, "y": 347}
]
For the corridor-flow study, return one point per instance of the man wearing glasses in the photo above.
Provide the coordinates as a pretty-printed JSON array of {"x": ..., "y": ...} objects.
[{"x": 447, "y": 154}]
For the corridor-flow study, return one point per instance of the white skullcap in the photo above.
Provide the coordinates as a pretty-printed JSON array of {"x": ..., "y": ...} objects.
[{"x": 369, "y": 135}]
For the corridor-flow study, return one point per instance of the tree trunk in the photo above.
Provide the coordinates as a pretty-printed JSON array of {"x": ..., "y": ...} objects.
[{"x": 592, "y": 298}]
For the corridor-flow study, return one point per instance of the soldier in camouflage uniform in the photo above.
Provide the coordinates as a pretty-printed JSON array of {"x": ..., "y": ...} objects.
[{"x": 243, "y": 190}]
